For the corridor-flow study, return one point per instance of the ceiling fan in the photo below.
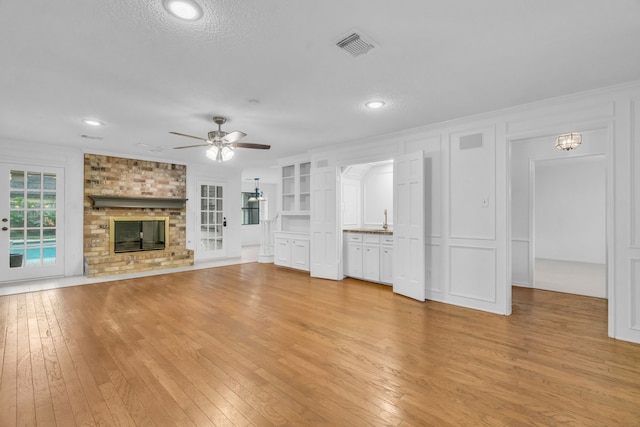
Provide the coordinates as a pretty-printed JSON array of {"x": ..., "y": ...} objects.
[{"x": 221, "y": 144}]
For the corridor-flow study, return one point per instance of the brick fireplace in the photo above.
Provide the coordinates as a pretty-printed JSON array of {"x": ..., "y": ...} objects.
[{"x": 140, "y": 190}]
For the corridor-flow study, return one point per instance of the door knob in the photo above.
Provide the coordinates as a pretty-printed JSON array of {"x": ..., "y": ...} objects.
[
  {"x": 4, "y": 220},
  {"x": 4, "y": 228}
]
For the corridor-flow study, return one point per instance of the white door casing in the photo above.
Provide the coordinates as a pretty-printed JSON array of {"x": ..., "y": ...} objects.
[
  {"x": 409, "y": 226},
  {"x": 211, "y": 220},
  {"x": 32, "y": 222}
]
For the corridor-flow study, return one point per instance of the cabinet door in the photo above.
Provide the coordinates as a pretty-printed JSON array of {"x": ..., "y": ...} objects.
[
  {"x": 282, "y": 252},
  {"x": 386, "y": 265},
  {"x": 371, "y": 263},
  {"x": 300, "y": 254},
  {"x": 354, "y": 260}
]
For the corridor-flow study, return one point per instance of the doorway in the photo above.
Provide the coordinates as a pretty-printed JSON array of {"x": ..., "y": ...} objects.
[
  {"x": 569, "y": 223},
  {"x": 559, "y": 210},
  {"x": 32, "y": 236},
  {"x": 212, "y": 221}
]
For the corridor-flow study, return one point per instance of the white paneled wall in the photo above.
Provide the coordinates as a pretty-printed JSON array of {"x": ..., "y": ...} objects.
[
  {"x": 630, "y": 160},
  {"x": 473, "y": 186},
  {"x": 478, "y": 202},
  {"x": 377, "y": 190}
]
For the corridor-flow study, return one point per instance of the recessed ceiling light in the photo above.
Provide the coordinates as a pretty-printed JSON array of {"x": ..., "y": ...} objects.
[
  {"x": 374, "y": 104},
  {"x": 92, "y": 122},
  {"x": 184, "y": 9}
]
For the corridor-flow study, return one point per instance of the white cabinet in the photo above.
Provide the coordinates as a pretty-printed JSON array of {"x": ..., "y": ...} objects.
[
  {"x": 353, "y": 264},
  {"x": 386, "y": 259},
  {"x": 368, "y": 256},
  {"x": 292, "y": 250},
  {"x": 371, "y": 263},
  {"x": 371, "y": 257},
  {"x": 296, "y": 187}
]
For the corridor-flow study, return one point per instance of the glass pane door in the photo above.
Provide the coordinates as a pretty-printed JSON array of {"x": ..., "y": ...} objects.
[
  {"x": 212, "y": 221},
  {"x": 31, "y": 230}
]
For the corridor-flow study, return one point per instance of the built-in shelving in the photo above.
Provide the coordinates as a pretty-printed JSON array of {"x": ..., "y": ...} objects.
[
  {"x": 292, "y": 240},
  {"x": 296, "y": 188}
]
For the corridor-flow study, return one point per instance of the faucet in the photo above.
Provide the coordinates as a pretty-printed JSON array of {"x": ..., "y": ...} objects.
[{"x": 384, "y": 224}]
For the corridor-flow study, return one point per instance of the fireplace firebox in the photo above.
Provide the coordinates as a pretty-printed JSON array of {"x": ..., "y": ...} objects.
[{"x": 134, "y": 234}]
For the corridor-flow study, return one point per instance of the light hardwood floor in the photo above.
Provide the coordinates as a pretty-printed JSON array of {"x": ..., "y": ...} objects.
[{"x": 254, "y": 344}]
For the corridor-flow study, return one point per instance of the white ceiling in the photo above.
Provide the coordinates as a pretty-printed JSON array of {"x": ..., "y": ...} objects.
[{"x": 272, "y": 68}]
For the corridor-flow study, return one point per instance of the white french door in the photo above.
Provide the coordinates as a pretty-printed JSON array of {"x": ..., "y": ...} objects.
[
  {"x": 32, "y": 218},
  {"x": 212, "y": 221}
]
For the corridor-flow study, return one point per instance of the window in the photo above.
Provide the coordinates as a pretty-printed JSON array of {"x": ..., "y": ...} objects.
[{"x": 250, "y": 210}]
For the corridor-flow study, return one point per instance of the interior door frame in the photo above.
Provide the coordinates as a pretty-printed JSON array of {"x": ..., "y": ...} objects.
[{"x": 608, "y": 127}]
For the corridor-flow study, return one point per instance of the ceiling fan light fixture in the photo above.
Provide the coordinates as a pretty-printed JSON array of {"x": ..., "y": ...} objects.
[
  {"x": 226, "y": 153},
  {"x": 374, "y": 104},
  {"x": 220, "y": 154},
  {"x": 184, "y": 9},
  {"x": 213, "y": 152}
]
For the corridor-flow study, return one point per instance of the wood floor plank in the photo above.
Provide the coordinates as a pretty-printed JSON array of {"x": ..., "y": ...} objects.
[
  {"x": 255, "y": 344},
  {"x": 8, "y": 378},
  {"x": 42, "y": 397},
  {"x": 56, "y": 316},
  {"x": 26, "y": 413},
  {"x": 57, "y": 387}
]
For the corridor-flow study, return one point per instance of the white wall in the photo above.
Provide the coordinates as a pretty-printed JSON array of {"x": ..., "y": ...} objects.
[
  {"x": 230, "y": 178},
  {"x": 367, "y": 190},
  {"x": 470, "y": 215},
  {"x": 72, "y": 160},
  {"x": 251, "y": 233},
  {"x": 377, "y": 195},
  {"x": 569, "y": 206},
  {"x": 351, "y": 202}
]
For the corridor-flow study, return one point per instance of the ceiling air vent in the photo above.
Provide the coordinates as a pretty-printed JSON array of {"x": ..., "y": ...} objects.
[
  {"x": 355, "y": 45},
  {"x": 95, "y": 138}
]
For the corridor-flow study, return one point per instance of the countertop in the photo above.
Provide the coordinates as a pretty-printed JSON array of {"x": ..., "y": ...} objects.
[{"x": 387, "y": 232}]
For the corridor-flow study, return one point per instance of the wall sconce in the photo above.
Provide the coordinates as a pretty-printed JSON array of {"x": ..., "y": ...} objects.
[{"x": 568, "y": 141}]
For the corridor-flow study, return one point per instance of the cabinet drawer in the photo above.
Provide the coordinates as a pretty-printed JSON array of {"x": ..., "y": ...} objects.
[
  {"x": 354, "y": 237},
  {"x": 372, "y": 238},
  {"x": 386, "y": 240}
]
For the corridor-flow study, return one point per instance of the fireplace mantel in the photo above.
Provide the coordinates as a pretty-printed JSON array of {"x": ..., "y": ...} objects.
[{"x": 136, "y": 202}]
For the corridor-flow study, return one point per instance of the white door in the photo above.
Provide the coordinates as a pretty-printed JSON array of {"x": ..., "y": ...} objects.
[
  {"x": 324, "y": 222},
  {"x": 212, "y": 221},
  {"x": 32, "y": 218},
  {"x": 409, "y": 226}
]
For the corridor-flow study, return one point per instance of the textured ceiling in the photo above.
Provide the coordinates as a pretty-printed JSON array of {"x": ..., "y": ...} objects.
[{"x": 272, "y": 68}]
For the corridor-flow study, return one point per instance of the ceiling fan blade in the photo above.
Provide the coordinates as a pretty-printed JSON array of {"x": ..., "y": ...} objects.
[
  {"x": 233, "y": 136},
  {"x": 250, "y": 145},
  {"x": 192, "y": 146},
  {"x": 188, "y": 136}
]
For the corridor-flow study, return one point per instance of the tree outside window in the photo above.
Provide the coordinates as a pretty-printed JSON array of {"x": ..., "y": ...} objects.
[{"x": 250, "y": 210}]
